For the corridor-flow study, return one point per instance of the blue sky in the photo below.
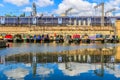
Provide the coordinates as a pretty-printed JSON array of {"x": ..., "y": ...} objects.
[{"x": 57, "y": 7}]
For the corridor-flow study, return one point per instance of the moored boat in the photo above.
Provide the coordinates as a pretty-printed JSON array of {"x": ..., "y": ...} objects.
[
  {"x": 8, "y": 38},
  {"x": 76, "y": 38},
  {"x": 18, "y": 38},
  {"x": 85, "y": 39},
  {"x": 1, "y": 37},
  {"x": 68, "y": 39},
  {"x": 46, "y": 38},
  {"x": 59, "y": 39},
  {"x": 111, "y": 39},
  {"x": 100, "y": 38}
]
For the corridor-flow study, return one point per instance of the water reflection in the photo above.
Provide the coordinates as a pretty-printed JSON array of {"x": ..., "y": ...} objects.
[
  {"x": 72, "y": 62},
  {"x": 82, "y": 55},
  {"x": 25, "y": 48},
  {"x": 18, "y": 73}
]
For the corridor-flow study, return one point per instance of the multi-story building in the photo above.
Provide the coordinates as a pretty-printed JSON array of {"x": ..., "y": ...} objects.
[{"x": 55, "y": 21}]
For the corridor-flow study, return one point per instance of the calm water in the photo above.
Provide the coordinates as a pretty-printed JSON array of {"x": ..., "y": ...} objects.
[{"x": 60, "y": 62}]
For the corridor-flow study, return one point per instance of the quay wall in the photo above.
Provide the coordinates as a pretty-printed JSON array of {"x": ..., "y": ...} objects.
[
  {"x": 118, "y": 54},
  {"x": 118, "y": 27},
  {"x": 57, "y": 30}
]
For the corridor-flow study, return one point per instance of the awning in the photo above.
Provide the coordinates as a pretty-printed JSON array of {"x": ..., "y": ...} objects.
[
  {"x": 99, "y": 36},
  {"x": 24, "y": 36},
  {"x": 76, "y": 36},
  {"x": 8, "y": 37},
  {"x": 39, "y": 37},
  {"x": 92, "y": 37},
  {"x": 1, "y": 37},
  {"x": 35, "y": 36}
]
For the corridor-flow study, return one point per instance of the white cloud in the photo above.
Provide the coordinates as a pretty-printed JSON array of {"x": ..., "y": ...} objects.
[
  {"x": 27, "y": 9},
  {"x": 84, "y": 7},
  {"x": 1, "y": 5},
  {"x": 42, "y": 71},
  {"x": 17, "y": 2},
  {"x": 113, "y": 4},
  {"x": 80, "y": 7},
  {"x": 75, "y": 69},
  {"x": 117, "y": 14},
  {"x": 44, "y": 3},
  {"x": 17, "y": 74}
]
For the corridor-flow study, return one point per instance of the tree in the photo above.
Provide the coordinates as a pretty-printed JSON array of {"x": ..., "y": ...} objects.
[
  {"x": 22, "y": 15},
  {"x": 14, "y": 16},
  {"x": 7, "y": 15}
]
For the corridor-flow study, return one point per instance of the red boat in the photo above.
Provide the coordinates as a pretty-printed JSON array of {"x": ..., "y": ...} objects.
[
  {"x": 76, "y": 38},
  {"x": 9, "y": 38}
]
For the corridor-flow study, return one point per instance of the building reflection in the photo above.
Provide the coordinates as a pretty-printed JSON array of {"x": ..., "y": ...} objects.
[
  {"x": 34, "y": 65},
  {"x": 100, "y": 71},
  {"x": 81, "y": 56},
  {"x": 68, "y": 61},
  {"x": 117, "y": 55}
]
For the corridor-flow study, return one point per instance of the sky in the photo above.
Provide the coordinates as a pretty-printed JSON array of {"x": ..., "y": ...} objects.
[{"x": 58, "y": 7}]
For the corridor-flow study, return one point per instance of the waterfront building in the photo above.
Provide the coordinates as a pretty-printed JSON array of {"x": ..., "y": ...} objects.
[
  {"x": 50, "y": 24},
  {"x": 57, "y": 21}
]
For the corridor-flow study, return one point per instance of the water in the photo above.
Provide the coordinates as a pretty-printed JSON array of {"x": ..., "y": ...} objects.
[{"x": 60, "y": 62}]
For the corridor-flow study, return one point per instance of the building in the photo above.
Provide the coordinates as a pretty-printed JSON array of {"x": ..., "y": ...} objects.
[
  {"x": 55, "y": 21},
  {"x": 59, "y": 25}
]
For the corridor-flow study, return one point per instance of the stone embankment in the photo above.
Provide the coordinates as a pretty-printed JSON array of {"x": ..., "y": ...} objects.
[{"x": 63, "y": 30}]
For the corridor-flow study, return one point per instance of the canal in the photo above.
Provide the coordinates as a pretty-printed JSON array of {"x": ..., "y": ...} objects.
[{"x": 51, "y": 61}]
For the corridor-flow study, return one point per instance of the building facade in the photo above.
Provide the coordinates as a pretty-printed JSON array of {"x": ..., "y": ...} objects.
[{"x": 57, "y": 21}]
